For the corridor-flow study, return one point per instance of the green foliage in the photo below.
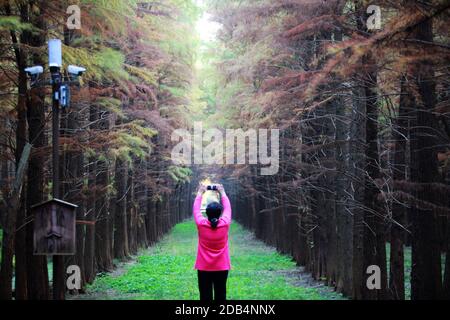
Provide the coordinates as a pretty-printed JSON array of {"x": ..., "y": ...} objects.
[
  {"x": 142, "y": 74},
  {"x": 166, "y": 271},
  {"x": 104, "y": 65},
  {"x": 113, "y": 14},
  {"x": 178, "y": 45},
  {"x": 112, "y": 105},
  {"x": 111, "y": 62},
  {"x": 180, "y": 174},
  {"x": 133, "y": 139},
  {"x": 14, "y": 23}
]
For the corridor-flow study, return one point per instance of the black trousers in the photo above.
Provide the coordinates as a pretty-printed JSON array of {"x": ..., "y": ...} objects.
[{"x": 209, "y": 280}]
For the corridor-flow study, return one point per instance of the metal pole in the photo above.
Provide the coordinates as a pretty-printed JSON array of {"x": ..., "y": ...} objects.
[
  {"x": 58, "y": 261},
  {"x": 55, "y": 137}
]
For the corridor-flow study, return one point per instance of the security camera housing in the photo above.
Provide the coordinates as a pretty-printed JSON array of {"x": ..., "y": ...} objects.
[
  {"x": 76, "y": 70},
  {"x": 34, "y": 71},
  {"x": 55, "y": 53}
]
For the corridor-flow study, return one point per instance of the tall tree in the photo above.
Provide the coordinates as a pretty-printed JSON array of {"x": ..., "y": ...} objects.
[{"x": 426, "y": 282}]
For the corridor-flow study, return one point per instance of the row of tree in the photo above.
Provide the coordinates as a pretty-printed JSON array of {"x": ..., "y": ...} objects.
[
  {"x": 365, "y": 139},
  {"x": 114, "y": 136}
]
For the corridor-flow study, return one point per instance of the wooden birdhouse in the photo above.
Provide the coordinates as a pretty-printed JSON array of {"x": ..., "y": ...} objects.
[{"x": 54, "y": 228}]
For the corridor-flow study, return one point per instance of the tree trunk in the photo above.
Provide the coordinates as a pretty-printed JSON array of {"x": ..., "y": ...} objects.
[
  {"x": 13, "y": 218},
  {"x": 12, "y": 204},
  {"x": 121, "y": 250},
  {"x": 103, "y": 234},
  {"x": 89, "y": 241},
  {"x": 374, "y": 241},
  {"x": 21, "y": 290},
  {"x": 131, "y": 211},
  {"x": 344, "y": 220},
  {"x": 73, "y": 171},
  {"x": 102, "y": 229},
  {"x": 397, "y": 271},
  {"x": 446, "y": 285},
  {"x": 426, "y": 261},
  {"x": 356, "y": 189}
]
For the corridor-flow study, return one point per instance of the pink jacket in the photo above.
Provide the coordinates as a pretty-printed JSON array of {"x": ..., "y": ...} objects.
[{"x": 212, "y": 252}]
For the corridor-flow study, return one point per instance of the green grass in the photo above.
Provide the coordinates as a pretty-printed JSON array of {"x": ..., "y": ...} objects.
[{"x": 166, "y": 272}]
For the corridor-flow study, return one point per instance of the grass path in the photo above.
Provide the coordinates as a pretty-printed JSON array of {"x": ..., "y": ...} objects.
[{"x": 165, "y": 271}]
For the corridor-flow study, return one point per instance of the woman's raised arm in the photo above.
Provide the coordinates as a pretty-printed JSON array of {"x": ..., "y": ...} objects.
[
  {"x": 226, "y": 215},
  {"x": 196, "y": 208}
]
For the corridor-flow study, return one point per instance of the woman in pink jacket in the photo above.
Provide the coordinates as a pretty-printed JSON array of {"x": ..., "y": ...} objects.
[{"x": 213, "y": 258}]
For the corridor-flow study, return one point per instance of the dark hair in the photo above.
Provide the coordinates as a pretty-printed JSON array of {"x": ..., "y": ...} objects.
[{"x": 213, "y": 211}]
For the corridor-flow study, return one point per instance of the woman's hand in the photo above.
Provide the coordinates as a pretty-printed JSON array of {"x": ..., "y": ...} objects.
[
  {"x": 221, "y": 189},
  {"x": 201, "y": 189}
]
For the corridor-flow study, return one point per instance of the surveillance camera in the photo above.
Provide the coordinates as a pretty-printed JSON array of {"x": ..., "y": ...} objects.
[
  {"x": 34, "y": 71},
  {"x": 75, "y": 70}
]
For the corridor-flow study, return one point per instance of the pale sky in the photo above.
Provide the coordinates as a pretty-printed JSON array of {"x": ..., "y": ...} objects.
[{"x": 206, "y": 28}]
